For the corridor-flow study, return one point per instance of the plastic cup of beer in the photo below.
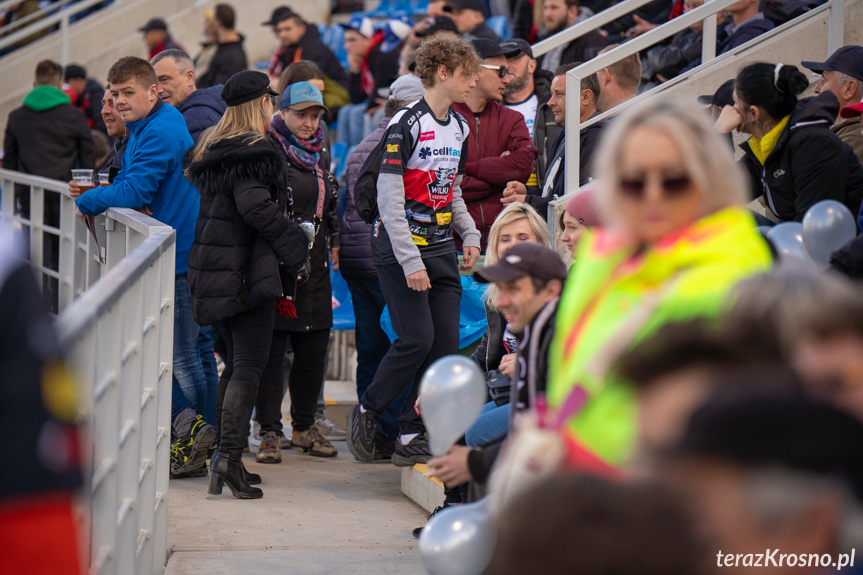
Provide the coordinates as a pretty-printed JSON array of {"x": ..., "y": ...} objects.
[
  {"x": 104, "y": 179},
  {"x": 84, "y": 179}
]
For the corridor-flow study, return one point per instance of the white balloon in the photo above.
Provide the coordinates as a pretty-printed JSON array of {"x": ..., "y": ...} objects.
[
  {"x": 459, "y": 540},
  {"x": 827, "y": 226},
  {"x": 452, "y": 393},
  {"x": 787, "y": 238}
]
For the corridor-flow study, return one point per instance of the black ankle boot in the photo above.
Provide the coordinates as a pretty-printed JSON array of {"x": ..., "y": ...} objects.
[
  {"x": 251, "y": 478},
  {"x": 225, "y": 472}
]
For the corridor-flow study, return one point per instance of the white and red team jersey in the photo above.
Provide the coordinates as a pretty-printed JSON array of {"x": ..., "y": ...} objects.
[{"x": 429, "y": 154}]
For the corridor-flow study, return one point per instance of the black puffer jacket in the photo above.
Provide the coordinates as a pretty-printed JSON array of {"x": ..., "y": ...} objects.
[
  {"x": 808, "y": 164},
  {"x": 241, "y": 231}
]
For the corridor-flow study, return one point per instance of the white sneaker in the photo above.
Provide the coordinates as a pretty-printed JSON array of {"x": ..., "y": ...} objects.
[
  {"x": 329, "y": 430},
  {"x": 255, "y": 434}
]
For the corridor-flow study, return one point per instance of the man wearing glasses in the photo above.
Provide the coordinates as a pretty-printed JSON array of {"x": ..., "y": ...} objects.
[{"x": 499, "y": 145}]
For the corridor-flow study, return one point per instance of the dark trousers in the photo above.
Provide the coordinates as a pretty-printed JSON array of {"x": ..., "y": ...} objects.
[
  {"x": 304, "y": 382},
  {"x": 247, "y": 339},
  {"x": 372, "y": 345},
  {"x": 427, "y": 327}
]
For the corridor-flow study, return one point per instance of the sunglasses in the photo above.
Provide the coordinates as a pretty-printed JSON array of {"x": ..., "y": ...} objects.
[
  {"x": 502, "y": 71},
  {"x": 673, "y": 187}
]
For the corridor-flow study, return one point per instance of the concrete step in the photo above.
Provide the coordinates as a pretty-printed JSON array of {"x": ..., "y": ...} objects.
[
  {"x": 339, "y": 396},
  {"x": 424, "y": 490}
]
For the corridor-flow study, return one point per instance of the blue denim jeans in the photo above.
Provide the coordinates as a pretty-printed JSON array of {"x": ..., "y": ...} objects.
[
  {"x": 492, "y": 423},
  {"x": 351, "y": 124},
  {"x": 188, "y": 375},
  {"x": 372, "y": 347}
]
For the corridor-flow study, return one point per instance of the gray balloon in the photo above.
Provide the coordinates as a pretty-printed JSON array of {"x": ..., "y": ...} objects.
[
  {"x": 764, "y": 230},
  {"x": 452, "y": 393},
  {"x": 459, "y": 540},
  {"x": 827, "y": 226},
  {"x": 787, "y": 238}
]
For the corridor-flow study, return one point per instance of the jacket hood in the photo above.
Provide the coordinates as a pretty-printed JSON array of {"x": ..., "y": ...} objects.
[
  {"x": 542, "y": 84},
  {"x": 230, "y": 162},
  {"x": 207, "y": 97},
  {"x": 820, "y": 109},
  {"x": 43, "y": 98}
]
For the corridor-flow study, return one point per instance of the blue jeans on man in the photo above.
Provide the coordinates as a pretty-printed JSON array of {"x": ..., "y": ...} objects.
[{"x": 188, "y": 373}]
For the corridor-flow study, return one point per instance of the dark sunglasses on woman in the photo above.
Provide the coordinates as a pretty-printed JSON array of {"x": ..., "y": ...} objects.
[{"x": 673, "y": 186}]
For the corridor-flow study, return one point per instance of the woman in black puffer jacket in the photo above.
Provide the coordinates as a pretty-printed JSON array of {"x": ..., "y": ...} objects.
[{"x": 241, "y": 235}]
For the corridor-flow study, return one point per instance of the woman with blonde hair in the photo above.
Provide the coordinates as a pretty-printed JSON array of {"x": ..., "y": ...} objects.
[
  {"x": 517, "y": 224},
  {"x": 677, "y": 239},
  {"x": 241, "y": 237}
]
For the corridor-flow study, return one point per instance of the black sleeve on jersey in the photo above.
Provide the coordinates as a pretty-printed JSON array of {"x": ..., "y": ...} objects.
[
  {"x": 464, "y": 148},
  {"x": 397, "y": 143}
]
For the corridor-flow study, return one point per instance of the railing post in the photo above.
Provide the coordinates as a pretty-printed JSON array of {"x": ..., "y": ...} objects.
[
  {"x": 708, "y": 39},
  {"x": 573, "y": 131},
  {"x": 64, "y": 38},
  {"x": 835, "y": 26}
]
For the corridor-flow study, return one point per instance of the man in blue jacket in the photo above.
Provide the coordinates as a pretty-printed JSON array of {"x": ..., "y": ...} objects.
[{"x": 152, "y": 176}]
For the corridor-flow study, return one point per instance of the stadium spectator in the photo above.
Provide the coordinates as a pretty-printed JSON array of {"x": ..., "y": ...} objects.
[
  {"x": 554, "y": 181},
  {"x": 419, "y": 199},
  {"x": 116, "y": 128},
  {"x": 528, "y": 92},
  {"x": 101, "y": 147},
  {"x": 308, "y": 71},
  {"x": 499, "y": 148},
  {"x": 152, "y": 176},
  {"x": 677, "y": 238},
  {"x": 747, "y": 23},
  {"x": 618, "y": 82},
  {"x": 209, "y": 45},
  {"x": 234, "y": 279},
  {"x": 469, "y": 18},
  {"x": 157, "y": 38},
  {"x": 528, "y": 281},
  {"x": 201, "y": 108},
  {"x": 579, "y": 216},
  {"x": 560, "y": 15},
  {"x": 299, "y": 41},
  {"x": 358, "y": 269},
  {"x": 230, "y": 56},
  {"x": 305, "y": 313},
  {"x": 842, "y": 74},
  {"x": 89, "y": 93},
  {"x": 664, "y": 62},
  {"x": 793, "y": 158}
]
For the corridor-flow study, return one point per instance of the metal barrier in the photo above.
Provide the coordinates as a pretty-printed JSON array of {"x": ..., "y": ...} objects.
[{"x": 116, "y": 322}]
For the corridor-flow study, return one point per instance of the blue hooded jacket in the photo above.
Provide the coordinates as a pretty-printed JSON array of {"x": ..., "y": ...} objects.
[
  {"x": 152, "y": 175},
  {"x": 203, "y": 109}
]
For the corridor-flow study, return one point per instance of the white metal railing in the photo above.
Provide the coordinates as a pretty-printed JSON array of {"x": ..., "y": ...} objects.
[
  {"x": 47, "y": 18},
  {"x": 116, "y": 323},
  {"x": 706, "y": 13}
]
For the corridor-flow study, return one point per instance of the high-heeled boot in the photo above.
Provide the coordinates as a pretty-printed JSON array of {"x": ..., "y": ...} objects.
[
  {"x": 226, "y": 465},
  {"x": 252, "y": 478}
]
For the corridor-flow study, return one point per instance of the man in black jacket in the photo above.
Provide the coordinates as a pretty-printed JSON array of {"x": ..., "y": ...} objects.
[
  {"x": 469, "y": 18},
  {"x": 528, "y": 92},
  {"x": 530, "y": 279},
  {"x": 230, "y": 57},
  {"x": 559, "y": 15},
  {"x": 89, "y": 94},
  {"x": 554, "y": 182}
]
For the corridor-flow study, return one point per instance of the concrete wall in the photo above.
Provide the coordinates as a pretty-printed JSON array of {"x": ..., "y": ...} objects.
[
  {"x": 99, "y": 40},
  {"x": 806, "y": 40}
]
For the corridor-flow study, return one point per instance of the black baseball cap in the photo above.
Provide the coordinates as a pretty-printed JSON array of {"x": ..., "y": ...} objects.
[
  {"x": 847, "y": 59},
  {"x": 464, "y": 5},
  {"x": 528, "y": 259},
  {"x": 767, "y": 429},
  {"x": 245, "y": 86},
  {"x": 489, "y": 48},
  {"x": 437, "y": 24},
  {"x": 73, "y": 71},
  {"x": 517, "y": 45},
  {"x": 279, "y": 14},
  {"x": 723, "y": 96},
  {"x": 154, "y": 24}
]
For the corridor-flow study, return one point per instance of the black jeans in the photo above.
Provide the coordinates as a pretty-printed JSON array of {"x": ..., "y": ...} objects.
[
  {"x": 427, "y": 327},
  {"x": 304, "y": 382}
]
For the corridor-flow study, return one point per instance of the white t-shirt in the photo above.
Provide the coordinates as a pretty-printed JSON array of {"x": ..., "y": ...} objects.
[{"x": 528, "y": 110}]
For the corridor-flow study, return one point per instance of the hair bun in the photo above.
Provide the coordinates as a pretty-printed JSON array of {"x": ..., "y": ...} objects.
[{"x": 792, "y": 81}]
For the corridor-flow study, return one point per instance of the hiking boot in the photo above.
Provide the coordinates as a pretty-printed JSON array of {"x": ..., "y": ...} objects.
[
  {"x": 416, "y": 532},
  {"x": 384, "y": 448},
  {"x": 416, "y": 451},
  {"x": 270, "y": 450},
  {"x": 329, "y": 430},
  {"x": 361, "y": 437},
  {"x": 189, "y": 452},
  {"x": 313, "y": 443}
]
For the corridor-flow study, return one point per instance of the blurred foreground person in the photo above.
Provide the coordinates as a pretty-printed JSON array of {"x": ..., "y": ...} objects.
[
  {"x": 677, "y": 239},
  {"x": 38, "y": 408}
]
